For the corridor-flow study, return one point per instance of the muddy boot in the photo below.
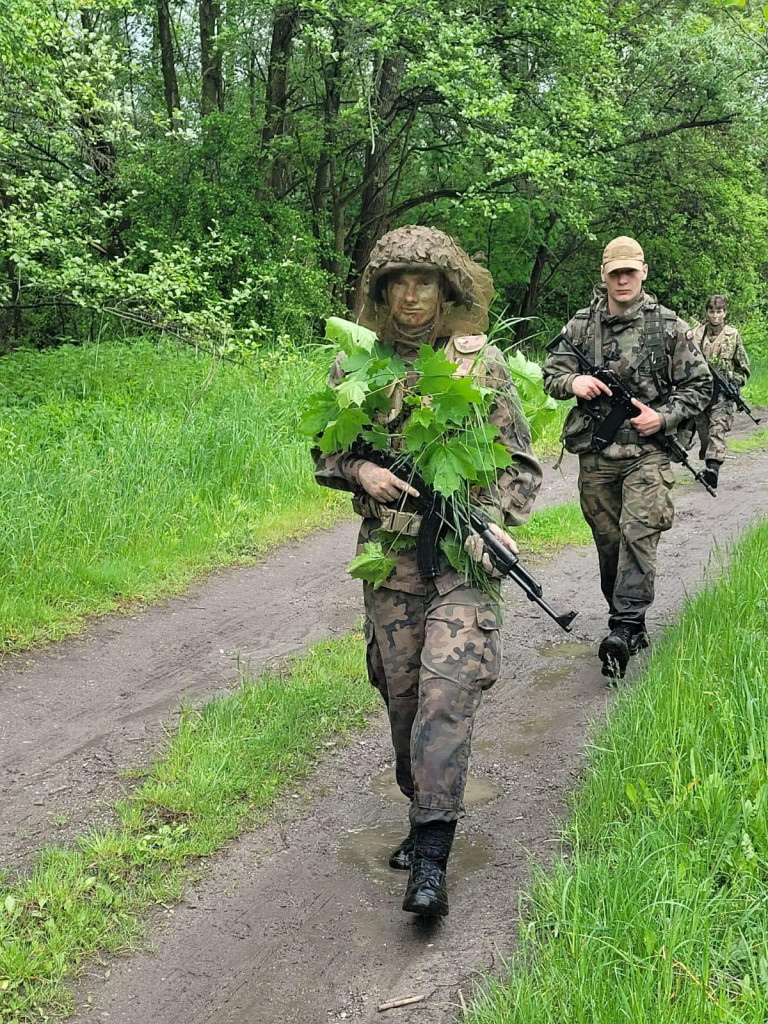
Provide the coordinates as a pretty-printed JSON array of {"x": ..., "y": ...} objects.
[
  {"x": 711, "y": 473},
  {"x": 401, "y": 857},
  {"x": 614, "y": 650},
  {"x": 426, "y": 893}
]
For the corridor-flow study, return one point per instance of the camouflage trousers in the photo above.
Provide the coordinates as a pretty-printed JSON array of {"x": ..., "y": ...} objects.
[
  {"x": 431, "y": 657},
  {"x": 628, "y": 506},
  {"x": 713, "y": 424}
]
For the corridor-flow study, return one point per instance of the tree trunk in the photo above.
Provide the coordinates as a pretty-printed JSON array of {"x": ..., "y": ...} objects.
[
  {"x": 326, "y": 189},
  {"x": 274, "y": 166},
  {"x": 530, "y": 298},
  {"x": 167, "y": 61},
  {"x": 374, "y": 197},
  {"x": 210, "y": 57}
]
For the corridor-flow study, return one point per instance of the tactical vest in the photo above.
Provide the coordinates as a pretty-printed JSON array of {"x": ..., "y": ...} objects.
[{"x": 587, "y": 333}]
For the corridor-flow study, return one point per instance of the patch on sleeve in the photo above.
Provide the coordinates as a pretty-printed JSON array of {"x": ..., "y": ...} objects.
[
  {"x": 689, "y": 334},
  {"x": 467, "y": 344}
]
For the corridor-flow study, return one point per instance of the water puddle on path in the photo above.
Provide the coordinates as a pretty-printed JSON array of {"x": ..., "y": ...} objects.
[
  {"x": 478, "y": 791},
  {"x": 368, "y": 850},
  {"x": 549, "y": 678},
  {"x": 566, "y": 649}
]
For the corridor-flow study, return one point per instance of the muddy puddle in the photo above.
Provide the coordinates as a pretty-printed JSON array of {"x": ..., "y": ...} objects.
[
  {"x": 566, "y": 649},
  {"x": 368, "y": 850},
  {"x": 477, "y": 792}
]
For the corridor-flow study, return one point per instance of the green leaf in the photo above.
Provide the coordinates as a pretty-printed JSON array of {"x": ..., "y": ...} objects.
[
  {"x": 372, "y": 565},
  {"x": 341, "y": 432},
  {"x": 456, "y": 399},
  {"x": 349, "y": 335},
  {"x": 351, "y": 391},
  {"x": 421, "y": 429},
  {"x": 322, "y": 408},
  {"x": 394, "y": 542},
  {"x": 445, "y": 467},
  {"x": 433, "y": 367}
]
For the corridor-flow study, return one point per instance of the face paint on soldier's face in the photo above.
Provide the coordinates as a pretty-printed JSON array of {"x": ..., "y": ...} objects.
[
  {"x": 624, "y": 286},
  {"x": 716, "y": 315},
  {"x": 413, "y": 297}
]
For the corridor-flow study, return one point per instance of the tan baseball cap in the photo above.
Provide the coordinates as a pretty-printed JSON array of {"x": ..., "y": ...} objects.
[{"x": 623, "y": 253}]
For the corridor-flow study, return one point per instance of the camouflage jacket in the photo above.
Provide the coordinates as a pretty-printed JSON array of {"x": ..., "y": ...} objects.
[
  {"x": 665, "y": 370},
  {"x": 509, "y": 499},
  {"x": 725, "y": 350}
]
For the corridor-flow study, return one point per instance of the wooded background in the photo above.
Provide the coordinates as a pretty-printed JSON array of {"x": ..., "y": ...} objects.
[{"x": 223, "y": 168}]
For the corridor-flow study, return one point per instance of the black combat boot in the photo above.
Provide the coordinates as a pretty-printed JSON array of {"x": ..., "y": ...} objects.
[
  {"x": 614, "y": 650},
  {"x": 426, "y": 893},
  {"x": 639, "y": 639},
  {"x": 401, "y": 857},
  {"x": 711, "y": 473}
]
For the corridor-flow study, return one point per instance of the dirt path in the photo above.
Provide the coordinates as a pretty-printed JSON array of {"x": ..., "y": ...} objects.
[
  {"x": 301, "y": 920},
  {"x": 74, "y": 715}
]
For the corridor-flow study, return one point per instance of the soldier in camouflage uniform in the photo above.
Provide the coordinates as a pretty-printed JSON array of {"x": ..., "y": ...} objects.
[
  {"x": 433, "y": 646},
  {"x": 722, "y": 346},
  {"x": 625, "y": 488}
]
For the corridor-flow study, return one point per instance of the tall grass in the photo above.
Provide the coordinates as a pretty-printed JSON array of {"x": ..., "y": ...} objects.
[
  {"x": 660, "y": 912},
  {"x": 127, "y": 469}
]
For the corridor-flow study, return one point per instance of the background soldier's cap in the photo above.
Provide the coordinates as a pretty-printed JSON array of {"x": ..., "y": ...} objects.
[{"x": 623, "y": 253}]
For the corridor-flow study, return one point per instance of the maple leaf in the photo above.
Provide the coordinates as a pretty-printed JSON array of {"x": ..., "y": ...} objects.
[
  {"x": 433, "y": 369},
  {"x": 352, "y": 337},
  {"x": 447, "y": 466},
  {"x": 341, "y": 432},
  {"x": 422, "y": 429},
  {"x": 456, "y": 399},
  {"x": 372, "y": 565},
  {"x": 351, "y": 391},
  {"x": 321, "y": 409}
]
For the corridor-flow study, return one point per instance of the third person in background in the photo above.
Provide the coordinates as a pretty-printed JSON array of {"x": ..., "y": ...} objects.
[
  {"x": 625, "y": 487},
  {"x": 723, "y": 349}
]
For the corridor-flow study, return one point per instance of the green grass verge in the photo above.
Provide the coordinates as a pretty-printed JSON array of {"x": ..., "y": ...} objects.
[
  {"x": 128, "y": 469},
  {"x": 749, "y": 444},
  {"x": 554, "y": 527},
  {"x": 660, "y": 910},
  {"x": 756, "y": 389},
  {"x": 222, "y": 771}
]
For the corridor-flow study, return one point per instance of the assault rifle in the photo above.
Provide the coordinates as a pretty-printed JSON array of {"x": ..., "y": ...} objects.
[
  {"x": 730, "y": 391},
  {"x": 622, "y": 409},
  {"x": 440, "y": 513}
]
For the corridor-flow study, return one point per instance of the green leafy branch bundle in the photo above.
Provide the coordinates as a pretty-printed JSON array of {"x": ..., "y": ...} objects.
[{"x": 444, "y": 430}]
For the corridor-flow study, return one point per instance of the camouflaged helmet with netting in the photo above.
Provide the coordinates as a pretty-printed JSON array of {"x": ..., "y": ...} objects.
[{"x": 467, "y": 287}]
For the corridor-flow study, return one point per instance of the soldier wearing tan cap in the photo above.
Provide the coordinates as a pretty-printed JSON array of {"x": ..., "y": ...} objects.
[{"x": 625, "y": 487}]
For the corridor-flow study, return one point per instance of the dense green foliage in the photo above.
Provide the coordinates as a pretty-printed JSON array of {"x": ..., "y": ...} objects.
[
  {"x": 127, "y": 469},
  {"x": 222, "y": 169},
  {"x": 658, "y": 912}
]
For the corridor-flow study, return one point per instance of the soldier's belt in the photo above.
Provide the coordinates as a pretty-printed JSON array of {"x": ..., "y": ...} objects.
[
  {"x": 627, "y": 435},
  {"x": 407, "y": 524}
]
